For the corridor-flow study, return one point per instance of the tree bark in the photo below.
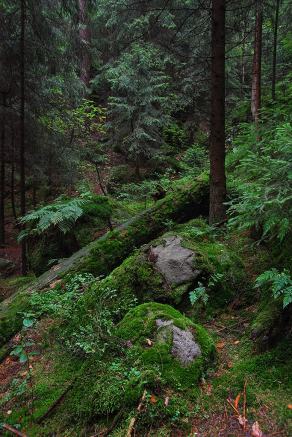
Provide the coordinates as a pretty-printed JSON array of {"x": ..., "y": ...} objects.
[
  {"x": 217, "y": 210},
  {"x": 257, "y": 61},
  {"x": 2, "y": 175},
  {"x": 22, "y": 128},
  {"x": 84, "y": 34},
  {"x": 274, "y": 68},
  {"x": 12, "y": 194}
]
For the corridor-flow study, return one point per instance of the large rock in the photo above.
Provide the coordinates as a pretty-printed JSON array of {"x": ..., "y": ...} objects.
[
  {"x": 175, "y": 262},
  {"x": 161, "y": 338}
]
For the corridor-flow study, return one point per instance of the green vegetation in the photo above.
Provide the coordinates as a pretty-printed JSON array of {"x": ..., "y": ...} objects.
[{"x": 145, "y": 218}]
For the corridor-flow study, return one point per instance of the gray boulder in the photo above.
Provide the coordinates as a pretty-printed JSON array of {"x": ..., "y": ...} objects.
[
  {"x": 174, "y": 262},
  {"x": 184, "y": 346}
]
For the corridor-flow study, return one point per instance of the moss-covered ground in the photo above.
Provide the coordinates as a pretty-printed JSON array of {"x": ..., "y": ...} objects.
[{"x": 102, "y": 367}]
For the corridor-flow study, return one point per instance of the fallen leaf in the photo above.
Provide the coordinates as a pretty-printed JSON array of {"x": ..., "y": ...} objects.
[
  {"x": 236, "y": 342},
  {"x": 220, "y": 345},
  {"x": 256, "y": 431},
  {"x": 229, "y": 365},
  {"x": 153, "y": 399},
  {"x": 289, "y": 406},
  {"x": 237, "y": 400}
]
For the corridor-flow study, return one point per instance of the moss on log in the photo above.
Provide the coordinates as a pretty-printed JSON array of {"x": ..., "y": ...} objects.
[{"x": 100, "y": 257}]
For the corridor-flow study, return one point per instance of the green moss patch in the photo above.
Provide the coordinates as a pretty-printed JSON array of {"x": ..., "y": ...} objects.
[{"x": 139, "y": 326}]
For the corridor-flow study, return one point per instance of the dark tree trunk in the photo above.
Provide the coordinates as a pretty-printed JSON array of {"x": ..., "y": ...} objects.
[
  {"x": 84, "y": 34},
  {"x": 22, "y": 131},
  {"x": 2, "y": 175},
  {"x": 217, "y": 212},
  {"x": 274, "y": 69},
  {"x": 257, "y": 65},
  {"x": 242, "y": 81},
  {"x": 13, "y": 207}
]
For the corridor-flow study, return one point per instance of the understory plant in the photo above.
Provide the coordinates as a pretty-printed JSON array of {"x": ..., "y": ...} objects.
[
  {"x": 261, "y": 176},
  {"x": 63, "y": 214},
  {"x": 280, "y": 284}
]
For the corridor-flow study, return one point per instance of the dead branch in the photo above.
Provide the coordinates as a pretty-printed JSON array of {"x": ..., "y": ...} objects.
[{"x": 13, "y": 430}]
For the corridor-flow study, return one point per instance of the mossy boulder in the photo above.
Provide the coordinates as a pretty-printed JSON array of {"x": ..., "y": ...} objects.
[{"x": 160, "y": 336}]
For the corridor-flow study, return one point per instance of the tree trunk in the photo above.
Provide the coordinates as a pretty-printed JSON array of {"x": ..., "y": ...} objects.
[
  {"x": 217, "y": 211},
  {"x": 84, "y": 34},
  {"x": 275, "y": 50},
  {"x": 2, "y": 175},
  {"x": 22, "y": 132},
  {"x": 13, "y": 207},
  {"x": 242, "y": 81},
  {"x": 257, "y": 61}
]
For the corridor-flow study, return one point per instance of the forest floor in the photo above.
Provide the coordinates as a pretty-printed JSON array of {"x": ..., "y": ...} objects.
[{"x": 255, "y": 410}]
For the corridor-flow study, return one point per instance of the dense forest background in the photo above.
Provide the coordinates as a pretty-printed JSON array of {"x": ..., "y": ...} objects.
[{"x": 110, "y": 108}]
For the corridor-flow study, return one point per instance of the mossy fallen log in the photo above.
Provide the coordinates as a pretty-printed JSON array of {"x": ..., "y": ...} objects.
[{"x": 100, "y": 257}]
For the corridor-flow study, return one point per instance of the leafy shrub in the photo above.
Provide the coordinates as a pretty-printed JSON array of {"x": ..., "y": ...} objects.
[{"x": 280, "y": 283}]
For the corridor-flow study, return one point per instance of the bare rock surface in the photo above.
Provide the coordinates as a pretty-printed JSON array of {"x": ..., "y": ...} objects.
[
  {"x": 184, "y": 346},
  {"x": 175, "y": 262}
]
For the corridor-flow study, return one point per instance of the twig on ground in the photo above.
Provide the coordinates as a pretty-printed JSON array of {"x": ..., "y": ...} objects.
[
  {"x": 133, "y": 420},
  {"x": 232, "y": 406},
  {"x": 244, "y": 405},
  {"x": 13, "y": 430}
]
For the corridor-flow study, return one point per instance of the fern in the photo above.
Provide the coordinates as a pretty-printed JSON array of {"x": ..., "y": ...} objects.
[
  {"x": 62, "y": 214},
  {"x": 280, "y": 284}
]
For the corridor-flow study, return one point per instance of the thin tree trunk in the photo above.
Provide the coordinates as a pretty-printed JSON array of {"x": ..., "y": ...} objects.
[
  {"x": 100, "y": 181},
  {"x": 242, "y": 82},
  {"x": 22, "y": 132},
  {"x": 217, "y": 211},
  {"x": 13, "y": 207},
  {"x": 274, "y": 72},
  {"x": 257, "y": 61},
  {"x": 2, "y": 175},
  {"x": 84, "y": 34}
]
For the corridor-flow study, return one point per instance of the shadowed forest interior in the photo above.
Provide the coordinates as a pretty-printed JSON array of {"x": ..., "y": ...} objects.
[{"x": 145, "y": 218}]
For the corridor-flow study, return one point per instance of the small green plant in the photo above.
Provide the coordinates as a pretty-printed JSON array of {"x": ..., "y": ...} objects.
[
  {"x": 280, "y": 283},
  {"x": 58, "y": 301},
  {"x": 24, "y": 353},
  {"x": 200, "y": 293}
]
